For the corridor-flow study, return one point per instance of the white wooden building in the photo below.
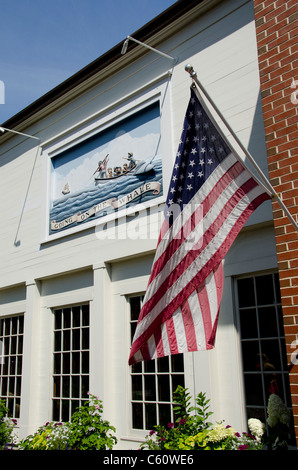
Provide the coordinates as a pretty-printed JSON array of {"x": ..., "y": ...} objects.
[{"x": 71, "y": 287}]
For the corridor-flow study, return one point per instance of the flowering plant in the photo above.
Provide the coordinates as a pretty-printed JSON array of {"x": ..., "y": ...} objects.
[
  {"x": 86, "y": 431},
  {"x": 221, "y": 437},
  {"x": 213, "y": 439},
  {"x": 51, "y": 436},
  {"x": 249, "y": 441},
  {"x": 194, "y": 432},
  {"x": 278, "y": 420},
  {"x": 170, "y": 437},
  {"x": 6, "y": 427}
]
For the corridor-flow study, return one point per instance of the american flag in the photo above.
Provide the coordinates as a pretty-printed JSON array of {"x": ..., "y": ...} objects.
[{"x": 210, "y": 197}]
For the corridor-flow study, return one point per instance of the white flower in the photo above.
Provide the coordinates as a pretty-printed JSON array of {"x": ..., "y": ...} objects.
[
  {"x": 256, "y": 427},
  {"x": 219, "y": 433}
]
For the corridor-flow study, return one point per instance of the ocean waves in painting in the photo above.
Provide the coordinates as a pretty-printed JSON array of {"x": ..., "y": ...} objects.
[{"x": 71, "y": 204}]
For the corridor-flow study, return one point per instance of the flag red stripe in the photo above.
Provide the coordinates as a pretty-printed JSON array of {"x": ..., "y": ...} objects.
[
  {"x": 218, "y": 278},
  {"x": 159, "y": 343},
  {"x": 172, "y": 336},
  {"x": 205, "y": 307},
  {"x": 189, "y": 327}
]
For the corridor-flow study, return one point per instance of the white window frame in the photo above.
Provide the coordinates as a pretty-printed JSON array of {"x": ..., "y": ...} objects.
[
  {"x": 153, "y": 92},
  {"x": 156, "y": 402},
  {"x": 8, "y": 357},
  {"x": 259, "y": 338},
  {"x": 70, "y": 374}
]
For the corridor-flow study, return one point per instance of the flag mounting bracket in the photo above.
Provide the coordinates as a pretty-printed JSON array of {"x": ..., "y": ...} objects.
[
  {"x": 4, "y": 129},
  {"x": 129, "y": 38},
  {"x": 189, "y": 68}
]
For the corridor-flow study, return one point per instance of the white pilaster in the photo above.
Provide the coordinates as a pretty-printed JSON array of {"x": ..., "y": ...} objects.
[
  {"x": 97, "y": 332},
  {"x": 30, "y": 393}
]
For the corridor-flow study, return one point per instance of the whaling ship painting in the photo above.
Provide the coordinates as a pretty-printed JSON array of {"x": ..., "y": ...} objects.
[
  {"x": 139, "y": 182},
  {"x": 92, "y": 179}
]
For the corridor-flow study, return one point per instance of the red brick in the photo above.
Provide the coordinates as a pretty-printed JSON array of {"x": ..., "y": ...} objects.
[
  {"x": 270, "y": 96},
  {"x": 263, "y": 25},
  {"x": 285, "y": 282},
  {"x": 279, "y": 86},
  {"x": 289, "y": 291},
  {"x": 286, "y": 13},
  {"x": 290, "y": 176},
  {"x": 277, "y": 156},
  {"x": 285, "y": 130},
  {"x": 279, "y": 28},
  {"x": 276, "y": 69},
  {"x": 274, "y": 12},
  {"x": 289, "y": 43},
  {"x": 290, "y": 3},
  {"x": 293, "y": 245},
  {"x": 288, "y": 314},
  {"x": 270, "y": 53},
  {"x": 263, "y": 10},
  {"x": 283, "y": 115},
  {"x": 263, "y": 38},
  {"x": 287, "y": 58}
]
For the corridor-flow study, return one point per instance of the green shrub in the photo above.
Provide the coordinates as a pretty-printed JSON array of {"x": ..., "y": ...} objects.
[
  {"x": 51, "y": 436},
  {"x": 171, "y": 436},
  {"x": 6, "y": 427},
  {"x": 193, "y": 431},
  {"x": 86, "y": 431}
]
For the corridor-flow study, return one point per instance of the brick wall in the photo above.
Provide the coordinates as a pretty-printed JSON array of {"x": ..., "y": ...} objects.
[{"x": 277, "y": 29}]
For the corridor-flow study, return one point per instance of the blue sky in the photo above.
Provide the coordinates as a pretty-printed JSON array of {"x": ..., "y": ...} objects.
[{"x": 44, "y": 42}]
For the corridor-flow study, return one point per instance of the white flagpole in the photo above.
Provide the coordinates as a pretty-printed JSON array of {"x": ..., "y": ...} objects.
[{"x": 274, "y": 194}]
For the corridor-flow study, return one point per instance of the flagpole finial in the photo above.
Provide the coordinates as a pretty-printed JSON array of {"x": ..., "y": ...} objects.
[{"x": 190, "y": 70}]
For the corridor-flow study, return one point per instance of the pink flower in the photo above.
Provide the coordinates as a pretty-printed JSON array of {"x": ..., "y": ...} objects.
[
  {"x": 243, "y": 447},
  {"x": 170, "y": 425},
  {"x": 151, "y": 432},
  {"x": 182, "y": 421}
]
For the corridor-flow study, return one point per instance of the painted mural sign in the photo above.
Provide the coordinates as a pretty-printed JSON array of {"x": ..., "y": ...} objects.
[{"x": 115, "y": 169}]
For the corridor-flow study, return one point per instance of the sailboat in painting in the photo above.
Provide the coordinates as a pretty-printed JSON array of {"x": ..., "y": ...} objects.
[{"x": 66, "y": 189}]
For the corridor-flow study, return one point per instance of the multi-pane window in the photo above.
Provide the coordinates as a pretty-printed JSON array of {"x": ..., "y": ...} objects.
[
  {"x": 11, "y": 359},
  {"x": 263, "y": 343},
  {"x": 70, "y": 361},
  {"x": 153, "y": 383}
]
